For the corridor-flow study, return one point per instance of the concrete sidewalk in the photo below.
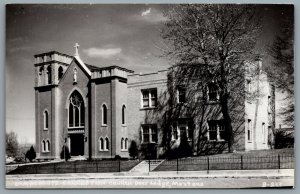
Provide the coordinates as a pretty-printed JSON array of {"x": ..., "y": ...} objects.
[
  {"x": 162, "y": 174},
  {"x": 169, "y": 179}
]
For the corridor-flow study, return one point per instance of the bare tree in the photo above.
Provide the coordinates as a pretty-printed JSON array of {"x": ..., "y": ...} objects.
[
  {"x": 219, "y": 39},
  {"x": 12, "y": 144},
  {"x": 281, "y": 68}
]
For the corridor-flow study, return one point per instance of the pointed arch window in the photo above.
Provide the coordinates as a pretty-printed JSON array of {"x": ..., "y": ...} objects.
[
  {"x": 104, "y": 114},
  {"x": 101, "y": 144},
  {"x": 43, "y": 146},
  {"x": 48, "y": 146},
  {"x": 46, "y": 120},
  {"x": 123, "y": 115},
  {"x": 60, "y": 72},
  {"x": 106, "y": 144},
  {"x": 41, "y": 71},
  {"x": 76, "y": 110},
  {"x": 126, "y": 144},
  {"x": 122, "y": 143},
  {"x": 49, "y": 74}
]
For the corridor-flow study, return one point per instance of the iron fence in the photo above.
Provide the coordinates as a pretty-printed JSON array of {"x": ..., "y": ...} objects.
[
  {"x": 228, "y": 163},
  {"x": 180, "y": 164},
  {"x": 97, "y": 166}
]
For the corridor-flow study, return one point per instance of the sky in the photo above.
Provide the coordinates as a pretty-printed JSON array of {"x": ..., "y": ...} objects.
[{"x": 124, "y": 35}]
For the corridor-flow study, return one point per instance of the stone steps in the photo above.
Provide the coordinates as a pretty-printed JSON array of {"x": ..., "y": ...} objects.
[{"x": 144, "y": 166}]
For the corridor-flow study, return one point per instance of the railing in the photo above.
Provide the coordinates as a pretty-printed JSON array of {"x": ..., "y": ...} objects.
[
  {"x": 97, "y": 166},
  {"x": 228, "y": 163},
  {"x": 205, "y": 163}
]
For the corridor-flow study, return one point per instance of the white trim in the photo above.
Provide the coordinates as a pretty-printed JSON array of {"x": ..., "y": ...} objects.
[{"x": 83, "y": 65}]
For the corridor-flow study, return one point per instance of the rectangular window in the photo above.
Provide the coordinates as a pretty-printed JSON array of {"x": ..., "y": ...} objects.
[
  {"x": 153, "y": 96},
  {"x": 181, "y": 95},
  {"x": 222, "y": 132},
  {"x": 146, "y": 137},
  {"x": 212, "y": 92},
  {"x": 216, "y": 130},
  {"x": 149, "y": 98},
  {"x": 149, "y": 134},
  {"x": 212, "y": 130}
]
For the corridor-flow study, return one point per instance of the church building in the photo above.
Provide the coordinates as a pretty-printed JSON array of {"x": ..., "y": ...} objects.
[{"x": 98, "y": 111}]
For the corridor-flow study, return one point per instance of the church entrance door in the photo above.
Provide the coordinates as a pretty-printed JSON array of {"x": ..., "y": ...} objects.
[{"x": 77, "y": 144}]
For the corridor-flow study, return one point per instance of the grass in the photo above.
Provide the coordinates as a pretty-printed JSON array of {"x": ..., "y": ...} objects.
[
  {"x": 77, "y": 167},
  {"x": 260, "y": 159}
]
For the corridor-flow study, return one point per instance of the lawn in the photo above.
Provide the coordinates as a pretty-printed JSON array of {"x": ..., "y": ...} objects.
[
  {"x": 77, "y": 167},
  {"x": 261, "y": 159}
]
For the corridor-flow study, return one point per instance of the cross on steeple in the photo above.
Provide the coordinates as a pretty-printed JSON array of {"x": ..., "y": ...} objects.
[{"x": 76, "y": 49}]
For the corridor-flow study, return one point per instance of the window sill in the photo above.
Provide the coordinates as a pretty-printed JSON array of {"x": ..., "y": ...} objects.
[
  {"x": 103, "y": 125},
  {"x": 124, "y": 125},
  {"x": 103, "y": 150},
  {"x": 124, "y": 150},
  {"x": 148, "y": 108},
  {"x": 221, "y": 140},
  {"x": 79, "y": 127},
  {"x": 46, "y": 129}
]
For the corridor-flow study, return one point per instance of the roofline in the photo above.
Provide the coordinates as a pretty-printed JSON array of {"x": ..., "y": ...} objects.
[
  {"x": 144, "y": 74},
  {"x": 114, "y": 66},
  {"x": 52, "y": 52}
]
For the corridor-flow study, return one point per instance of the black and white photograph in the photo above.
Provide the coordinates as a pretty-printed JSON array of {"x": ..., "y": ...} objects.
[{"x": 143, "y": 96}]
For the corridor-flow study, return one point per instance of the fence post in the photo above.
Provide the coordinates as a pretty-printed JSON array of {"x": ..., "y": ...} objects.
[
  {"x": 119, "y": 165},
  {"x": 54, "y": 168},
  {"x": 177, "y": 167},
  {"x": 207, "y": 165},
  {"x": 36, "y": 169},
  {"x": 278, "y": 161},
  {"x": 75, "y": 166},
  {"x": 241, "y": 162},
  {"x": 149, "y": 165}
]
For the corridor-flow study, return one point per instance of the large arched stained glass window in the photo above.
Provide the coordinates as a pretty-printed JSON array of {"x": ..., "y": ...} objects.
[{"x": 76, "y": 110}]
